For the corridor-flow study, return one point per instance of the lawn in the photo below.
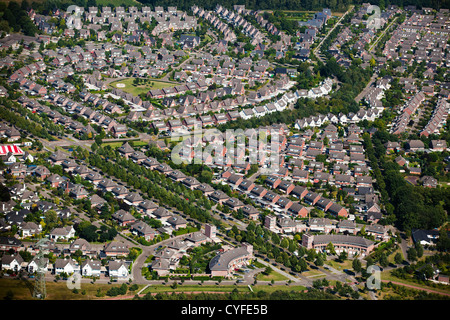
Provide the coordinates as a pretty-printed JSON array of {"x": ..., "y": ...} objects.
[
  {"x": 143, "y": 88},
  {"x": 22, "y": 290},
  {"x": 218, "y": 288},
  {"x": 386, "y": 275},
  {"x": 275, "y": 276},
  {"x": 347, "y": 264},
  {"x": 115, "y": 145}
]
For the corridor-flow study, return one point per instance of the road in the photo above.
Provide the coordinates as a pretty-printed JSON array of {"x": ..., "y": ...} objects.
[
  {"x": 329, "y": 32},
  {"x": 382, "y": 35},
  {"x": 367, "y": 88}
]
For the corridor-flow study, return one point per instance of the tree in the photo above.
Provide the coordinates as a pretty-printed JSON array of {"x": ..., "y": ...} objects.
[
  {"x": 427, "y": 271},
  {"x": 412, "y": 254},
  {"x": 398, "y": 258},
  {"x": 319, "y": 261},
  {"x": 419, "y": 250},
  {"x": 301, "y": 265},
  {"x": 267, "y": 270},
  {"x": 342, "y": 256},
  {"x": 284, "y": 243},
  {"x": 356, "y": 265},
  {"x": 330, "y": 248},
  {"x": 383, "y": 260}
]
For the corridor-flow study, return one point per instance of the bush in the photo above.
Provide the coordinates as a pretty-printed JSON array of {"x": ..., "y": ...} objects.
[{"x": 133, "y": 287}]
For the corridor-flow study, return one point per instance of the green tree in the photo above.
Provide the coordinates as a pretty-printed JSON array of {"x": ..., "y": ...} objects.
[
  {"x": 419, "y": 250},
  {"x": 319, "y": 261},
  {"x": 412, "y": 254},
  {"x": 356, "y": 265},
  {"x": 398, "y": 258},
  {"x": 342, "y": 256}
]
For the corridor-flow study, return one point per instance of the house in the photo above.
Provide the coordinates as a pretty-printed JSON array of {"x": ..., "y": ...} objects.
[
  {"x": 126, "y": 150},
  {"x": 67, "y": 266},
  {"x": 337, "y": 210},
  {"x": 91, "y": 268},
  {"x": 64, "y": 233},
  {"x": 142, "y": 229},
  {"x": 378, "y": 231},
  {"x": 311, "y": 198},
  {"x": 438, "y": 145},
  {"x": 219, "y": 196},
  {"x": 30, "y": 229},
  {"x": 250, "y": 212},
  {"x": 37, "y": 263},
  {"x": 147, "y": 206},
  {"x": 117, "y": 269},
  {"x": 428, "y": 181},
  {"x": 177, "y": 222},
  {"x": 133, "y": 199},
  {"x": 123, "y": 217},
  {"x": 7, "y": 243},
  {"x": 297, "y": 209},
  {"x": 81, "y": 244},
  {"x": 115, "y": 249},
  {"x": 415, "y": 145},
  {"x": 57, "y": 157},
  {"x": 425, "y": 237},
  {"x": 299, "y": 192},
  {"x": 12, "y": 262}
]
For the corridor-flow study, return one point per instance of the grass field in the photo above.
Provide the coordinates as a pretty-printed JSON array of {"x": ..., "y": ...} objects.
[
  {"x": 218, "y": 288},
  {"x": 116, "y": 145},
  {"x": 347, "y": 264},
  {"x": 22, "y": 290},
  {"x": 386, "y": 275},
  {"x": 137, "y": 90},
  {"x": 275, "y": 276}
]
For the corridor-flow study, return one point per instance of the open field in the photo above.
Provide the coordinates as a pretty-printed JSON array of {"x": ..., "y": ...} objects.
[
  {"x": 347, "y": 264},
  {"x": 137, "y": 90},
  {"x": 22, "y": 290},
  {"x": 116, "y": 145},
  {"x": 386, "y": 276},
  {"x": 275, "y": 276},
  {"x": 218, "y": 288}
]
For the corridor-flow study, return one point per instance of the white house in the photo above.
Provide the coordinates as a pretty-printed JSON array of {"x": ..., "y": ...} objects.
[
  {"x": 67, "y": 266},
  {"x": 91, "y": 268},
  {"x": 30, "y": 228},
  {"x": 33, "y": 265},
  {"x": 62, "y": 233},
  {"x": 12, "y": 262},
  {"x": 118, "y": 269}
]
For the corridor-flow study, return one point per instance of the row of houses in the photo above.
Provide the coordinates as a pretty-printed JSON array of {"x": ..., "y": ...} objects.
[
  {"x": 341, "y": 118},
  {"x": 227, "y": 32},
  {"x": 284, "y": 224},
  {"x": 438, "y": 118},
  {"x": 239, "y": 22},
  {"x": 115, "y": 267},
  {"x": 401, "y": 122}
]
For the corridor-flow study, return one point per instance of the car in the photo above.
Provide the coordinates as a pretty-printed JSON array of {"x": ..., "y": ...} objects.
[{"x": 267, "y": 259}]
